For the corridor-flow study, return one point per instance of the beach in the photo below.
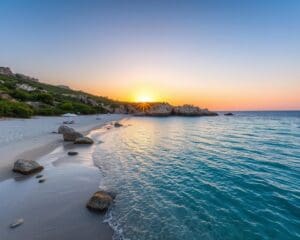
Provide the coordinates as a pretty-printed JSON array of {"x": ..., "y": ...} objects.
[{"x": 54, "y": 209}]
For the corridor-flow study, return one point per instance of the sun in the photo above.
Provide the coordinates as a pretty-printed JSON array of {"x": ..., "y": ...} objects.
[{"x": 144, "y": 98}]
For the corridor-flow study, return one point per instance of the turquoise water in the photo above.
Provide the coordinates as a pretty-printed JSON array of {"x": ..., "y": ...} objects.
[{"x": 204, "y": 178}]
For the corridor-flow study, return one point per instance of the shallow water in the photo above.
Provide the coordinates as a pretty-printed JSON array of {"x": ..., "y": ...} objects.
[{"x": 204, "y": 178}]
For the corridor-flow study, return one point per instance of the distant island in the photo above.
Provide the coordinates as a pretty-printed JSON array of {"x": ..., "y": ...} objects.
[{"x": 24, "y": 96}]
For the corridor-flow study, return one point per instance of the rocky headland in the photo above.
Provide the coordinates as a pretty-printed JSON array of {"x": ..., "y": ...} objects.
[{"x": 162, "y": 109}]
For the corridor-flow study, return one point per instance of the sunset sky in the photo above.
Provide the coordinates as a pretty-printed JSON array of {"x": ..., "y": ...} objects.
[{"x": 223, "y": 55}]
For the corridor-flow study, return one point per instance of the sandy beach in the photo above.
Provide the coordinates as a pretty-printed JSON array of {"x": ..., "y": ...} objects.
[{"x": 54, "y": 209}]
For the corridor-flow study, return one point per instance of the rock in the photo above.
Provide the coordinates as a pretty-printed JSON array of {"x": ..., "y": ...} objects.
[
  {"x": 71, "y": 135},
  {"x": 6, "y": 71},
  {"x": 228, "y": 114},
  {"x": 42, "y": 180},
  {"x": 161, "y": 109},
  {"x": 117, "y": 124},
  {"x": 39, "y": 176},
  {"x": 27, "y": 166},
  {"x": 17, "y": 223},
  {"x": 190, "y": 110},
  {"x": 26, "y": 87},
  {"x": 68, "y": 122},
  {"x": 83, "y": 140},
  {"x": 100, "y": 201},
  {"x": 72, "y": 153},
  {"x": 63, "y": 128}
]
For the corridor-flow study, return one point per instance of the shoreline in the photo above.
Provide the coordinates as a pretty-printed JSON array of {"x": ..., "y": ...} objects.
[
  {"x": 70, "y": 181},
  {"x": 36, "y": 146}
]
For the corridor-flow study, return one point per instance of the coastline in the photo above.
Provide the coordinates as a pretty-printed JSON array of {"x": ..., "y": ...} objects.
[
  {"x": 43, "y": 141},
  {"x": 54, "y": 209}
]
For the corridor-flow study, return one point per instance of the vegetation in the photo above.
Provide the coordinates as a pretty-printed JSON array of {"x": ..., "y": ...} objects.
[
  {"x": 45, "y": 99},
  {"x": 15, "y": 109}
]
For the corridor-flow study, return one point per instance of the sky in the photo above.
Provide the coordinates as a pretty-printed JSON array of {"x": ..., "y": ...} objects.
[{"x": 221, "y": 55}]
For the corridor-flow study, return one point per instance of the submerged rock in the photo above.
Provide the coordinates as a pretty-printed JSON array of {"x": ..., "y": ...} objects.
[
  {"x": 228, "y": 114},
  {"x": 38, "y": 176},
  {"x": 17, "y": 223},
  {"x": 83, "y": 140},
  {"x": 72, "y": 153},
  {"x": 27, "y": 166},
  {"x": 100, "y": 201},
  {"x": 42, "y": 180}
]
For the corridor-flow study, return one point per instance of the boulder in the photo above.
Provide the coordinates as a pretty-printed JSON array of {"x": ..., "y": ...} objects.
[
  {"x": 71, "y": 135},
  {"x": 100, "y": 201},
  {"x": 63, "y": 128},
  {"x": 27, "y": 166},
  {"x": 228, "y": 114},
  {"x": 83, "y": 140}
]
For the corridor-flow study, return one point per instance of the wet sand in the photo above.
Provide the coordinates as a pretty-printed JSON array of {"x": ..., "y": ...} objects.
[{"x": 54, "y": 209}]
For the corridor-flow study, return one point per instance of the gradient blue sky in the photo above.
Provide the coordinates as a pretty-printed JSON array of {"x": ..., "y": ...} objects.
[{"x": 225, "y": 55}]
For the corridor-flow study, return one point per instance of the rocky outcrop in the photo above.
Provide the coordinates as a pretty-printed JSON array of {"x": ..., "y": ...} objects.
[
  {"x": 6, "y": 71},
  {"x": 83, "y": 140},
  {"x": 27, "y": 166},
  {"x": 100, "y": 201},
  {"x": 190, "y": 110},
  {"x": 165, "y": 109},
  {"x": 26, "y": 87},
  {"x": 228, "y": 114}
]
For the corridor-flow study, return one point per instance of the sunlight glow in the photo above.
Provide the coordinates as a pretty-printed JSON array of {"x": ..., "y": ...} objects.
[{"x": 144, "y": 98}]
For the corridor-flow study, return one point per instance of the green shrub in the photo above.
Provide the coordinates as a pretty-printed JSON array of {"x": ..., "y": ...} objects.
[
  {"x": 66, "y": 106},
  {"x": 47, "y": 111},
  {"x": 14, "y": 109},
  {"x": 20, "y": 95},
  {"x": 43, "y": 97},
  {"x": 82, "y": 108}
]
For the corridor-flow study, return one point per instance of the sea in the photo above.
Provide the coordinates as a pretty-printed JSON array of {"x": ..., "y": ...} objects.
[{"x": 191, "y": 178}]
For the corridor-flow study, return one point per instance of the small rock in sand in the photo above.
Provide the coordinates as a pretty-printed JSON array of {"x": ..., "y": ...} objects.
[
  {"x": 27, "y": 166},
  {"x": 72, "y": 153},
  {"x": 17, "y": 223},
  {"x": 84, "y": 140},
  {"x": 38, "y": 176},
  {"x": 100, "y": 201},
  {"x": 42, "y": 180},
  {"x": 117, "y": 124}
]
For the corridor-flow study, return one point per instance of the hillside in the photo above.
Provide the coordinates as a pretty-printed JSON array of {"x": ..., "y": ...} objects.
[{"x": 23, "y": 96}]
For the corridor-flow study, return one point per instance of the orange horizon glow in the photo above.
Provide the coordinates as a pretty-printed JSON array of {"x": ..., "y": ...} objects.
[{"x": 213, "y": 100}]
